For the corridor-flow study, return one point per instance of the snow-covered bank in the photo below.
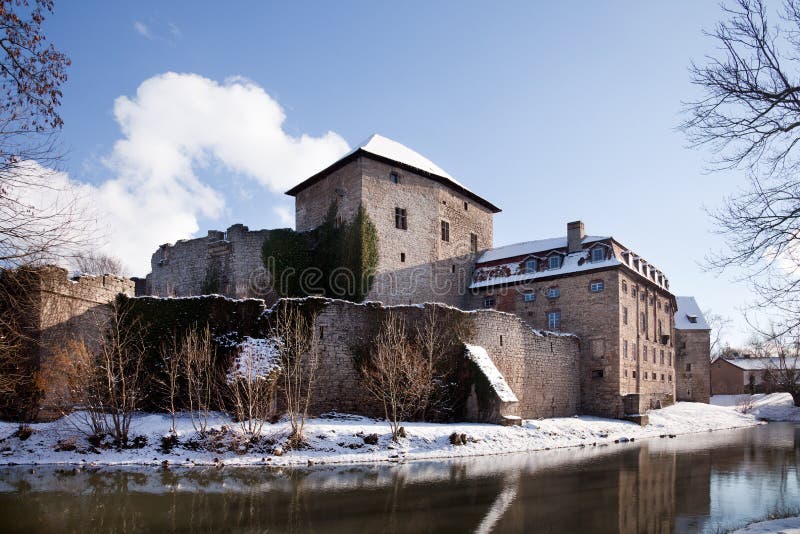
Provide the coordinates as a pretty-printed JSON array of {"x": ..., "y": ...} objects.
[
  {"x": 345, "y": 439},
  {"x": 788, "y": 525},
  {"x": 769, "y": 407}
]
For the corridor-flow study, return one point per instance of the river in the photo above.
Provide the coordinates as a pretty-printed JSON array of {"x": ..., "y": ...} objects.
[{"x": 693, "y": 483}]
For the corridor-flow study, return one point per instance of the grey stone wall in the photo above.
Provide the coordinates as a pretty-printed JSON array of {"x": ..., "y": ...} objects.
[
  {"x": 230, "y": 260},
  {"x": 693, "y": 365}
]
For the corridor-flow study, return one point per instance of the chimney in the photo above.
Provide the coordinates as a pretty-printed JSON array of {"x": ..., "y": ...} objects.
[{"x": 575, "y": 236}]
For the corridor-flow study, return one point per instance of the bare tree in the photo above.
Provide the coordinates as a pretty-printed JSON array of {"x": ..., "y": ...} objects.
[
  {"x": 783, "y": 371},
  {"x": 298, "y": 349},
  {"x": 173, "y": 371},
  {"x": 397, "y": 372},
  {"x": 718, "y": 324},
  {"x": 252, "y": 383},
  {"x": 92, "y": 262},
  {"x": 199, "y": 363},
  {"x": 749, "y": 115}
]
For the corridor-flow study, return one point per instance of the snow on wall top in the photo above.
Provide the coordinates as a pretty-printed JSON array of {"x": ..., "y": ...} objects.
[
  {"x": 689, "y": 311},
  {"x": 498, "y": 382},
  {"x": 530, "y": 247},
  {"x": 759, "y": 364}
]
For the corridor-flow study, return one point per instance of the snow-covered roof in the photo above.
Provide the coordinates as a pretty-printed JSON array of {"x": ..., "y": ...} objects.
[
  {"x": 386, "y": 148},
  {"x": 758, "y": 364},
  {"x": 530, "y": 247},
  {"x": 571, "y": 264},
  {"x": 689, "y": 316}
]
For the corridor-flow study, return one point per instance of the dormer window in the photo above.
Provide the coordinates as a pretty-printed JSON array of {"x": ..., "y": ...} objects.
[
  {"x": 394, "y": 177},
  {"x": 598, "y": 254},
  {"x": 692, "y": 318},
  {"x": 554, "y": 262},
  {"x": 530, "y": 266},
  {"x": 553, "y": 293}
]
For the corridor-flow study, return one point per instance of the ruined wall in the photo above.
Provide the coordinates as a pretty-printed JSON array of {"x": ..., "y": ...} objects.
[
  {"x": 693, "y": 365},
  {"x": 228, "y": 263}
]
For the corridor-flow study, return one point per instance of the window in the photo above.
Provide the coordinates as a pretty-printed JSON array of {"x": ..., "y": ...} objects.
[
  {"x": 625, "y": 348},
  {"x": 662, "y": 357},
  {"x": 501, "y": 340},
  {"x": 530, "y": 266},
  {"x": 692, "y": 318},
  {"x": 466, "y": 206},
  {"x": 644, "y": 320},
  {"x": 625, "y": 373},
  {"x": 624, "y": 315},
  {"x": 553, "y": 320},
  {"x": 400, "y": 219},
  {"x": 554, "y": 262},
  {"x": 644, "y": 354},
  {"x": 670, "y": 359},
  {"x": 596, "y": 286},
  {"x": 394, "y": 177},
  {"x": 473, "y": 243},
  {"x": 688, "y": 367},
  {"x": 645, "y": 375},
  {"x": 598, "y": 254},
  {"x": 659, "y": 328},
  {"x": 529, "y": 296},
  {"x": 553, "y": 293},
  {"x": 453, "y": 268},
  {"x": 654, "y": 355},
  {"x": 445, "y": 231},
  {"x": 625, "y": 287},
  {"x": 633, "y": 373},
  {"x": 669, "y": 378},
  {"x": 488, "y": 302},
  {"x": 402, "y": 257},
  {"x": 635, "y": 351},
  {"x": 662, "y": 377},
  {"x": 597, "y": 373}
]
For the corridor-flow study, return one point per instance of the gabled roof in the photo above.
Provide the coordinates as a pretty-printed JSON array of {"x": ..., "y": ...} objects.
[
  {"x": 530, "y": 247},
  {"x": 688, "y": 316},
  {"x": 389, "y": 151}
]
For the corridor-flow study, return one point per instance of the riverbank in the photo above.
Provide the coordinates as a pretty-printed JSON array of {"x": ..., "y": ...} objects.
[
  {"x": 339, "y": 438},
  {"x": 769, "y": 407}
]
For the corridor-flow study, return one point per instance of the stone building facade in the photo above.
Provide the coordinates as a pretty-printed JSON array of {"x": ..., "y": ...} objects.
[
  {"x": 693, "y": 355},
  {"x": 435, "y": 240},
  {"x": 617, "y": 303},
  {"x": 227, "y": 263},
  {"x": 430, "y": 228}
]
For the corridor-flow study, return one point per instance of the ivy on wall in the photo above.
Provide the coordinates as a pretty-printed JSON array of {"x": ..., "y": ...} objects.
[{"x": 336, "y": 260}]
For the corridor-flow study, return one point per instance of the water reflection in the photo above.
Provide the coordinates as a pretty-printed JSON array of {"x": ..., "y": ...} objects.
[{"x": 688, "y": 484}]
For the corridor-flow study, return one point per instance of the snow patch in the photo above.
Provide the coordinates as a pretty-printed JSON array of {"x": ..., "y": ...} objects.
[
  {"x": 258, "y": 358},
  {"x": 496, "y": 379}
]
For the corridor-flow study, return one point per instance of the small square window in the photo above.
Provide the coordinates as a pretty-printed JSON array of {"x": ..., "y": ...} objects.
[
  {"x": 394, "y": 177},
  {"x": 530, "y": 266},
  {"x": 554, "y": 262},
  {"x": 445, "y": 231},
  {"x": 596, "y": 286},
  {"x": 597, "y": 373},
  {"x": 553, "y": 293},
  {"x": 402, "y": 257},
  {"x": 488, "y": 302},
  {"x": 598, "y": 254},
  {"x": 529, "y": 296}
]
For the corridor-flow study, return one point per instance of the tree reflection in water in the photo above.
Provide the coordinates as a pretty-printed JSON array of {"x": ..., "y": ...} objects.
[{"x": 688, "y": 484}]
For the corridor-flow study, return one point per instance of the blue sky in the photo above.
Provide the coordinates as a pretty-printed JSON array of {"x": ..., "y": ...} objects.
[{"x": 554, "y": 111}]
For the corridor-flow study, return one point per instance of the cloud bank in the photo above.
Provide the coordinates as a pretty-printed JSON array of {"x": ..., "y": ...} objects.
[{"x": 176, "y": 124}]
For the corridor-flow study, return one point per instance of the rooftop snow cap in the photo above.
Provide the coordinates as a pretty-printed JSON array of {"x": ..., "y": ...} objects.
[
  {"x": 688, "y": 315},
  {"x": 575, "y": 235},
  {"x": 387, "y": 150}
]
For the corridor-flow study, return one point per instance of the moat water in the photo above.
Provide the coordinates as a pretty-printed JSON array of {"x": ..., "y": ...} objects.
[{"x": 695, "y": 483}]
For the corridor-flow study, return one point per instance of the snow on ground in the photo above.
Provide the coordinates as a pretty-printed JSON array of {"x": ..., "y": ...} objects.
[
  {"x": 339, "y": 438},
  {"x": 789, "y": 525},
  {"x": 769, "y": 407}
]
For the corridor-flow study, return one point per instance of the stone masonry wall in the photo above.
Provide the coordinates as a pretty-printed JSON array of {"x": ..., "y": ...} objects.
[
  {"x": 693, "y": 365},
  {"x": 540, "y": 368},
  {"x": 342, "y": 186},
  {"x": 230, "y": 260}
]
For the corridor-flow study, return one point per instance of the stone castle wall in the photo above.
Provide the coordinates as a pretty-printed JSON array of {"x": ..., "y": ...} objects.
[
  {"x": 693, "y": 365},
  {"x": 229, "y": 263}
]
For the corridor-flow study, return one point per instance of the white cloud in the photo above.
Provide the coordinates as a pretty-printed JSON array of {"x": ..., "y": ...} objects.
[
  {"x": 176, "y": 123},
  {"x": 142, "y": 29},
  {"x": 284, "y": 215}
]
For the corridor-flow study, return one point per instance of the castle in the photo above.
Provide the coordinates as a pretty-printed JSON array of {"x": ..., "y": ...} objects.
[{"x": 435, "y": 243}]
